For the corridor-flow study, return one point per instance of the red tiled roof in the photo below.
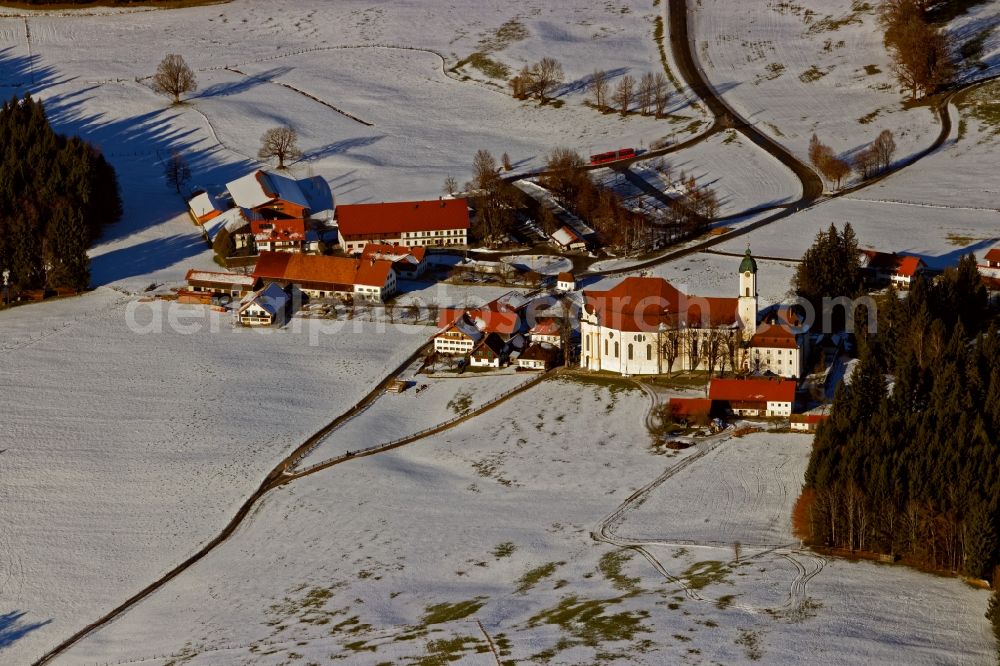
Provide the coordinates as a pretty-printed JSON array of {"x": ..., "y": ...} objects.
[
  {"x": 767, "y": 390},
  {"x": 565, "y": 277},
  {"x": 547, "y": 326},
  {"x": 373, "y": 272},
  {"x": 993, "y": 255},
  {"x": 397, "y": 217},
  {"x": 494, "y": 317},
  {"x": 774, "y": 336},
  {"x": 643, "y": 303},
  {"x": 313, "y": 269},
  {"x": 908, "y": 266},
  {"x": 393, "y": 252}
]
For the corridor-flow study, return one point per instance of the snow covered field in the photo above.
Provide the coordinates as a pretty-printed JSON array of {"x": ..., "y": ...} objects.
[
  {"x": 794, "y": 68},
  {"x": 486, "y": 530},
  {"x": 123, "y": 451}
]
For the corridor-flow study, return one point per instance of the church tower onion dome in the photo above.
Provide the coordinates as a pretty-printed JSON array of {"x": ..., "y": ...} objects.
[{"x": 748, "y": 264}]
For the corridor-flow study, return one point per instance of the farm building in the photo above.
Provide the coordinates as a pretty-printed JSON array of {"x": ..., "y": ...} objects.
[
  {"x": 264, "y": 307},
  {"x": 443, "y": 222},
  {"x": 566, "y": 239},
  {"x": 547, "y": 330},
  {"x": 458, "y": 338},
  {"x": 204, "y": 207},
  {"x": 806, "y": 422},
  {"x": 993, "y": 258},
  {"x": 219, "y": 284},
  {"x": 753, "y": 397},
  {"x": 407, "y": 261},
  {"x": 906, "y": 269},
  {"x": 538, "y": 356},
  {"x": 491, "y": 352},
  {"x": 565, "y": 281},
  {"x": 284, "y": 235},
  {"x": 325, "y": 277},
  {"x": 503, "y": 315},
  {"x": 270, "y": 195}
]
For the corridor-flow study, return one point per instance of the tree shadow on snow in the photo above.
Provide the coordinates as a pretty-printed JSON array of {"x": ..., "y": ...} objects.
[
  {"x": 13, "y": 627},
  {"x": 245, "y": 83},
  {"x": 145, "y": 257},
  {"x": 138, "y": 146},
  {"x": 21, "y": 74}
]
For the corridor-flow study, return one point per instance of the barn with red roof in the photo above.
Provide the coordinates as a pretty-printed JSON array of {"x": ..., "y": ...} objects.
[{"x": 441, "y": 222}]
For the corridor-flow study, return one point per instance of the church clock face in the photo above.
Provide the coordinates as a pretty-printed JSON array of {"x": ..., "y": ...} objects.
[{"x": 747, "y": 274}]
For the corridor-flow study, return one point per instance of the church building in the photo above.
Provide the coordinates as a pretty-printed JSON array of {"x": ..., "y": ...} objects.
[{"x": 646, "y": 326}]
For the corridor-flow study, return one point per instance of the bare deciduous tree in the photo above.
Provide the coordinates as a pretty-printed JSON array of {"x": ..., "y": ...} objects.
[
  {"x": 546, "y": 75},
  {"x": 280, "y": 143},
  {"x": 176, "y": 171},
  {"x": 644, "y": 96},
  {"x": 173, "y": 77},
  {"x": 493, "y": 201},
  {"x": 830, "y": 166},
  {"x": 599, "y": 88},
  {"x": 450, "y": 185},
  {"x": 624, "y": 92},
  {"x": 505, "y": 161},
  {"x": 866, "y": 163},
  {"x": 521, "y": 83},
  {"x": 661, "y": 94},
  {"x": 921, "y": 52},
  {"x": 836, "y": 169},
  {"x": 884, "y": 147}
]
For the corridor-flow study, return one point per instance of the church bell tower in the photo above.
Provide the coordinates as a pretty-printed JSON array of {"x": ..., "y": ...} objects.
[{"x": 748, "y": 294}]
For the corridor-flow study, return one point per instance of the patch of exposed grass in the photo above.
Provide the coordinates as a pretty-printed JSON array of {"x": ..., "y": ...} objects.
[
  {"x": 533, "y": 576},
  {"x": 872, "y": 70},
  {"x": 750, "y": 642},
  {"x": 446, "y": 650},
  {"x": 774, "y": 70},
  {"x": 814, "y": 73},
  {"x": 725, "y": 601},
  {"x": 611, "y": 565},
  {"x": 486, "y": 65},
  {"x": 960, "y": 240},
  {"x": 461, "y": 403},
  {"x": 449, "y": 612},
  {"x": 983, "y": 104},
  {"x": 702, "y": 574},
  {"x": 588, "y": 622},
  {"x": 505, "y": 549},
  {"x": 869, "y": 117}
]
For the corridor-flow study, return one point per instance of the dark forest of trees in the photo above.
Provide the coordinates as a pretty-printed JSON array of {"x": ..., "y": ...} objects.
[
  {"x": 912, "y": 469},
  {"x": 56, "y": 193}
]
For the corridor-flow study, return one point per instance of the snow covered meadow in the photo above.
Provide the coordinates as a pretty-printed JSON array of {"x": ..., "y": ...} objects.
[
  {"x": 939, "y": 211},
  {"x": 130, "y": 438},
  {"x": 484, "y": 534},
  {"x": 122, "y": 451},
  {"x": 794, "y": 68}
]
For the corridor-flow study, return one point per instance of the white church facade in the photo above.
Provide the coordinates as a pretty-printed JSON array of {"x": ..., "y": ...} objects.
[{"x": 646, "y": 326}]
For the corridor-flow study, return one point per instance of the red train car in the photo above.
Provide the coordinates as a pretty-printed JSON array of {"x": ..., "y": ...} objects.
[{"x": 612, "y": 156}]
